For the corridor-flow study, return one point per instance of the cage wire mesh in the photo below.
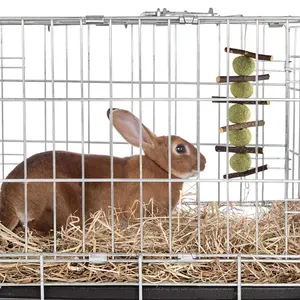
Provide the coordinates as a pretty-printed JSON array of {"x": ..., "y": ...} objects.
[{"x": 59, "y": 76}]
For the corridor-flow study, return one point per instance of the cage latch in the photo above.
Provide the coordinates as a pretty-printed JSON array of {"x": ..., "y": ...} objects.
[
  {"x": 185, "y": 17},
  {"x": 98, "y": 258}
]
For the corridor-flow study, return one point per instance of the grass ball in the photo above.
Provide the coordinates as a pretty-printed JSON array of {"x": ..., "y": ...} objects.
[
  {"x": 240, "y": 162},
  {"x": 240, "y": 137},
  {"x": 243, "y": 65},
  {"x": 241, "y": 89},
  {"x": 239, "y": 113}
]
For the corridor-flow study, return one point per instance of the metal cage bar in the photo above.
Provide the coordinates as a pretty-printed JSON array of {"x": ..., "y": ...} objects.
[
  {"x": 198, "y": 135},
  {"x": 53, "y": 137},
  {"x": 140, "y": 136},
  {"x": 24, "y": 137},
  {"x": 111, "y": 139},
  {"x": 82, "y": 140},
  {"x": 169, "y": 138}
]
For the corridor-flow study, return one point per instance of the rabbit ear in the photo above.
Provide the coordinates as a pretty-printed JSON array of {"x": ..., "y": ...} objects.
[{"x": 129, "y": 127}]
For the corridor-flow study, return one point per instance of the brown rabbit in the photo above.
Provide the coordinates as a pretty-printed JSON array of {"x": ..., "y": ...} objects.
[{"x": 98, "y": 194}]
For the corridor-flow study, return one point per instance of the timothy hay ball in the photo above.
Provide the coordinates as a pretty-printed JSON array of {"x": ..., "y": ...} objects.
[
  {"x": 241, "y": 89},
  {"x": 240, "y": 162},
  {"x": 243, "y": 65},
  {"x": 239, "y": 113},
  {"x": 240, "y": 137}
]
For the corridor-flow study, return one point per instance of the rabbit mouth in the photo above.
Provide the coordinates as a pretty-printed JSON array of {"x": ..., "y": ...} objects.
[
  {"x": 194, "y": 173},
  {"x": 183, "y": 175}
]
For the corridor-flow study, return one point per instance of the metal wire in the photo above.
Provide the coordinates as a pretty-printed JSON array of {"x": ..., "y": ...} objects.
[
  {"x": 67, "y": 88},
  {"x": 219, "y": 111},
  {"x": 227, "y": 139},
  {"x": 132, "y": 72},
  {"x": 42, "y": 282},
  {"x": 153, "y": 76},
  {"x": 89, "y": 86},
  {"x": 140, "y": 266},
  {"x": 179, "y": 257},
  {"x": 298, "y": 134},
  {"x": 140, "y": 136},
  {"x": 45, "y": 86},
  {"x": 111, "y": 141},
  {"x": 194, "y": 180},
  {"x": 198, "y": 137},
  {"x": 82, "y": 140},
  {"x": 287, "y": 132},
  {"x": 239, "y": 279},
  {"x": 256, "y": 142},
  {"x": 263, "y": 112},
  {"x": 294, "y": 113},
  {"x": 169, "y": 138},
  {"x": 24, "y": 139},
  {"x": 53, "y": 138},
  {"x": 175, "y": 78},
  {"x": 243, "y": 41},
  {"x": 125, "y": 99},
  {"x": 144, "y": 82}
]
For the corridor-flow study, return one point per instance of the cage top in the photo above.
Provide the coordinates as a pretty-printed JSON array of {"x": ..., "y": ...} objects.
[{"x": 159, "y": 17}]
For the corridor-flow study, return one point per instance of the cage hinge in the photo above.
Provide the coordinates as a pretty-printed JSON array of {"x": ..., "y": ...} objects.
[
  {"x": 98, "y": 258},
  {"x": 275, "y": 24},
  {"x": 186, "y": 257},
  {"x": 97, "y": 20}
]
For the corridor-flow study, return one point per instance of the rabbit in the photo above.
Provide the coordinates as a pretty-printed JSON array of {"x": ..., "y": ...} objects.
[{"x": 98, "y": 194}]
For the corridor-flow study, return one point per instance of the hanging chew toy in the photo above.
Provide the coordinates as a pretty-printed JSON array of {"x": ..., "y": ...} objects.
[{"x": 239, "y": 113}]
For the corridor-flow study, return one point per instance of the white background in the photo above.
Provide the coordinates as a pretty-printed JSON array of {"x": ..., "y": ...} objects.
[{"x": 187, "y": 43}]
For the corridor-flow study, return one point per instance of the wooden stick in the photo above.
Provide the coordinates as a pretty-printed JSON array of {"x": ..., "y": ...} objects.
[
  {"x": 240, "y": 102},
  {"x": 246, "y": 173},
  {"x": 241, "y": 125},
  {"x": 250, "y": 54},
  {"x": 260, "y": 150},
  {"x": 221, "y": 79}
]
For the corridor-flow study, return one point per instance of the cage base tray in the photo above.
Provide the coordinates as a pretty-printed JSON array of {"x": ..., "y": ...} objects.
[{"x": 150, "y": 292}]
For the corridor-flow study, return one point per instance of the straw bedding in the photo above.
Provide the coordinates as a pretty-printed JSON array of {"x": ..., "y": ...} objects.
[{"x": 242, "y": 237}]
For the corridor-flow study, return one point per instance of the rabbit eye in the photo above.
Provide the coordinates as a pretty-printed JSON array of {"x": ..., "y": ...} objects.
[{"x": 180, "y": 149}]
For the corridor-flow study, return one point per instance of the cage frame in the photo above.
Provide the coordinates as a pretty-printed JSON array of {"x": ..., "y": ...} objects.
[{"x": 165, "y": 19}]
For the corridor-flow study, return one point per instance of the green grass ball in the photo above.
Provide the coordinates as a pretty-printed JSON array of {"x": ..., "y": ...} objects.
[
  {"x": 239, "y": 113},
  {"x": 243, "y": 65},
  {"x": 240, "y": 162},
  {"x": 240, "y": 137},
  {"x": 241, "y": 89}
]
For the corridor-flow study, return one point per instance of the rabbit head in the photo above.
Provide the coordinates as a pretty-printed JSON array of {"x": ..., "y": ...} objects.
[{"x": 183, "y": 154}]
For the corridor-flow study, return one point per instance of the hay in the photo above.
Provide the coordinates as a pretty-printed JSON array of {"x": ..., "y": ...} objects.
[{"x": 213, "y": 235}]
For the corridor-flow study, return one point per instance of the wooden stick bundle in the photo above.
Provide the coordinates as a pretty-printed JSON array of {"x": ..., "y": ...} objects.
[
  {"x": 260, "y": 150},
  {"x": 250, "y": 54},
  {"x": 246, "y": 173},
  {"x": 241, "y": 125},
  {"x": 221, "y": 79},
  {"x": 262, "y": 102}
]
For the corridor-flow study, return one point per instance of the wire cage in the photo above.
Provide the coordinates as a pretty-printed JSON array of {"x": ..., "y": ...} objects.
[{"x": 228, "y": 238}]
